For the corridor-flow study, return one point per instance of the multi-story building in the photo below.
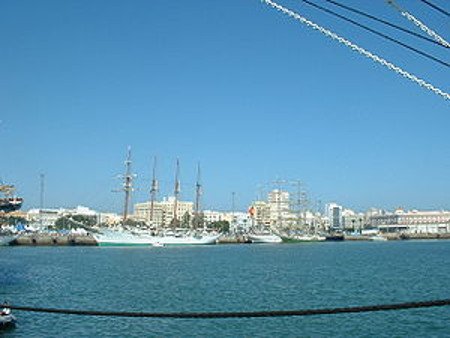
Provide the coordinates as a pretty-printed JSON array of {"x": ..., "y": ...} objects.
[
  {"x": 260, "y": 212},
  {"x": 44, "y": 218},
  {"x": 279, "y": 208},
  {"x": 210, "y": 216},
  {"x": 413, "y": 221},
  {"x": 333, "y": 212},
  {"x": 164, "y": 211},
  {"x": 352, "y": 220}
]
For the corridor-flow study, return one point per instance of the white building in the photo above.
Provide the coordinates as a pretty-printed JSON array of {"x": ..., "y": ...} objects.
[
  {"x": 211, "y": 216},
  {"x": 333, "y": 212},
  {"x": 413, "y": 221},
  {"x": 279, "y": 208},
  {"x": 43, "y": 218},
  {"x": 163, "y": 211}
]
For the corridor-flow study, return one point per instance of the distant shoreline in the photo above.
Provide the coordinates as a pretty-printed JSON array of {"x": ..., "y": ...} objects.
[{"x": 88, "y": 240}]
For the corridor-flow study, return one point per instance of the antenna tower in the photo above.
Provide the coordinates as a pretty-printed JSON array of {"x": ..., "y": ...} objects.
[
  {"x": 198, "y": 193},
  {"x": 176, "y": 191},
  {"x": 153, "y": 191}
]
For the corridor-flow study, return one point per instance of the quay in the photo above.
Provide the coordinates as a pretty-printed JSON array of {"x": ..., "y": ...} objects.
[
  {"x": 54, "y": 240},
  {"x": 40, "y": 239}
]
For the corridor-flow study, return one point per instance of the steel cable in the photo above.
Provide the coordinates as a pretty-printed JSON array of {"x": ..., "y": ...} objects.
[
  {"x": 358, "y": 49},
  {"x": 247, "y": 314}
]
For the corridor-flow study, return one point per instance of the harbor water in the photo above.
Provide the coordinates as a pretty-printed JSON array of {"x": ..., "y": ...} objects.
[{"x": 229, "y": 278}]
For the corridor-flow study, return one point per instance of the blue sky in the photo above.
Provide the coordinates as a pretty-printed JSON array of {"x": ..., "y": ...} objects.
[{"x": 235, "y": 85}]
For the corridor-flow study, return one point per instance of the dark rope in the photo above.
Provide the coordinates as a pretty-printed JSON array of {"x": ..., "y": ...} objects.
[
  {"x": 385, "y": 22},
  {"x": 443, "y": 11},
  {"x": 384, "y": 36},
  {"x": 250, "y": 314}
]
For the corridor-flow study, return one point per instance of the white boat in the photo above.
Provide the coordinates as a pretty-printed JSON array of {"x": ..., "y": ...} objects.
[
  {"x": 171, "y": 238},
  {"x": 264, "y": 237},
  {"x": 309, "y": 238},
  {"x": 7, "y": 320},
  {"x": 6, "y": 239},
  {"x": 127, "y": 238},
  {"x": 378, "y": 238},
  {"x": 122, "y": 238}
]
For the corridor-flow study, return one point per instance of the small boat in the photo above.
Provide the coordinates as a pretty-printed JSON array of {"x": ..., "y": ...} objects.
[
  {"x": 121, "y": 238},
  {"x": 264, "y": 236},
  {"x": 335, "y": 237},
  {"x": 309, "y": 238},
  {"x": 378, "y": 238},
  {"x": 6, "y": 238},
  {"x": 171, "y": 238},
  {"x": 7, "y": 320},
  {"x": 9, "y": 202}
]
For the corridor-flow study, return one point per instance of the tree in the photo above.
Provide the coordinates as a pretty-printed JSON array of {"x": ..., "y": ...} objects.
[
  {"x": 186, "y": 220},
  {"x": 222, "y": 226},
  {"x": 86, "y": 220},
  {"x": 198, "y": 221}
]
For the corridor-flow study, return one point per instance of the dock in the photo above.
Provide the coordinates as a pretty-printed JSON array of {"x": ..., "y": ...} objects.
[{"x": 54, "y": 240}]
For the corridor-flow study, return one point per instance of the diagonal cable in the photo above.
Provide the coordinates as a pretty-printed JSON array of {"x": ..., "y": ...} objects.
[
  {"x": 385, "y": 22},
  {"x": 443, "y": 11},
  {"x": 358, "y": 49},
  {"x": 419, "y": 24},
  {"x": 384, "y": 36}
]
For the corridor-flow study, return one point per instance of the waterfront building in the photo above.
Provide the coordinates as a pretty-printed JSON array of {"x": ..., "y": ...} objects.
[
  {"x": 352, "y": 221},
  {"x": 164, "y": 212},
  {"x": 333, "y": 212},
  {"x": 44, "y": 218},
  {"x": 239, "y": 221},
  {"x": 413, "y": 221},
  {"x": 109, "y": 219},
  {"x": 260, "y": 211},
  {"x": 211, "y": 216},
  {"x": 280, "y": 214}
]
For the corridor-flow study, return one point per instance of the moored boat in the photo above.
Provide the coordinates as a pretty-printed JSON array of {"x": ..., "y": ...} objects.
[
  {"x": 6, "y": 239},
  {"x": 184, "y": 240},
  {"x": 121, "y": 238},
  {"x": 9, "y": 203},
  {"x": 309, "y": 238},
  {"x": 128, "y": 238},
  {"x": 264, "y": 237},
  {"x": 378, "y": 238},
  {"x": 7, "y": 320}
]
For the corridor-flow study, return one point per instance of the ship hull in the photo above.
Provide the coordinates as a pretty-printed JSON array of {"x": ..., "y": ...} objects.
[
  {"x": 265, "y": 239},
  {"x": 6, "y": 239},
  {"x": 126, "y": 239},
  {"x": 10, "y": 204}
]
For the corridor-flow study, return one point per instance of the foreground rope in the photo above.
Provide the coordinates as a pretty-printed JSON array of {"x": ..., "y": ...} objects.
[
  {"x": 358, "y": 49},
  {"x": 250, "y": 314}
]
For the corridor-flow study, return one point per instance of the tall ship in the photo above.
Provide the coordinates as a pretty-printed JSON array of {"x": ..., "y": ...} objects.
[
  {"x": 123, "y": 236},
  {"x": 9, "y": 202}
]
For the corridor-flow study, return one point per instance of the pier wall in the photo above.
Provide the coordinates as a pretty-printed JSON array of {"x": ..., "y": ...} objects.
[{"x": 54, "y": 240}]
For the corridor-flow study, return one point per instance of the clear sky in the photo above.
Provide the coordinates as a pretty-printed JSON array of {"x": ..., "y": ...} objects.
[{"x": 235, "y": 85}]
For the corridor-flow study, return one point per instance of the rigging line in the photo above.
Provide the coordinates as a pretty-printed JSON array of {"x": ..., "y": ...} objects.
[
  {"x": 443, "y": 11},
  {"x": 415, "y": 50},
  {"x": 248, "y": 314},
  {"x": 419, "y": 24},
  {"x": 358, "y": 49},
  {"x": 372, "y": 17}
]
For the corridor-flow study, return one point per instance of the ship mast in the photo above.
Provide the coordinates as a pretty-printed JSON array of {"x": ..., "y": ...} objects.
[
  {"x": 153, "y": 191},
  {"x": 176, "y": 192},
  {"x": 127, "y": 185}
]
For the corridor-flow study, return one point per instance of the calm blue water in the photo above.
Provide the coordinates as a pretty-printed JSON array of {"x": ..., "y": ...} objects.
[{"x": 229, "y": 278}]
